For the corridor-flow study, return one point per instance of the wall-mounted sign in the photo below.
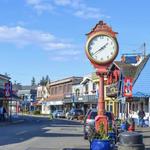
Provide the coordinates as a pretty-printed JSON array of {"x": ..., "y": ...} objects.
[
  {"x": 127, "y": 87},
  {"x": 112, "y": 90}
]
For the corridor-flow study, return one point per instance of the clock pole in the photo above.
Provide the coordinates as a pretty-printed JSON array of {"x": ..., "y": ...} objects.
[
  {"x": 101, "y": 68},
  {"x": 101, "y": 102}
]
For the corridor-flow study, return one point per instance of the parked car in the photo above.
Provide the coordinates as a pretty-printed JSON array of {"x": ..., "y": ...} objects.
[
  {"x": 89, "y": 121},
  {"x": 58, "y": 114},
  {"x": 74, "y": 113}
]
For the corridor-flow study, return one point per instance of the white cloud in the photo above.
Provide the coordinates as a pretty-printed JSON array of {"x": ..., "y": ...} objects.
[
  {"x": 70, "y": 52},
  {"x": 63, "y": 2},
  {"x": 78, "y": 7},
  {"x": 21, "y": 37},
  {"x": 40, "y": 6},
  {"x": 58, "y": 58}
]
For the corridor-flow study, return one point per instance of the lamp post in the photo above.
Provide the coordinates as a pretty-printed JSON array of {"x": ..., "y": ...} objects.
[{"x": 73, "y": 103}]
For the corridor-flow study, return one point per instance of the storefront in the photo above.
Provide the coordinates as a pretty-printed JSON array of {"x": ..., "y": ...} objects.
[
  {"x": 50, "y": 106},
  {"x": 141, "y": 92}
]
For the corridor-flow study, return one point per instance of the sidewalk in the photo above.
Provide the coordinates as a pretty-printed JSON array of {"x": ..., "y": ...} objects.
[
  {"x": 12, "y": 121},
  {"x": 146, "y": 136}
]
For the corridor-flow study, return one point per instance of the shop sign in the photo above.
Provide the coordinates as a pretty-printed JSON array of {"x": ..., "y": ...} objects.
[{"x": 112, "y": 90}]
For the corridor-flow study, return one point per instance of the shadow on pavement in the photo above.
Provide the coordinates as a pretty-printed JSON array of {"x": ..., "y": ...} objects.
[
  {"x": 33, "y": 127},
  {"x": 145, "y": 136},
  {"x": 75, "y": 149}
]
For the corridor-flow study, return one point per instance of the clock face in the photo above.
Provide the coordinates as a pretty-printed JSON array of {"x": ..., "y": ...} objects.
[{"x": 102, "y": 49}]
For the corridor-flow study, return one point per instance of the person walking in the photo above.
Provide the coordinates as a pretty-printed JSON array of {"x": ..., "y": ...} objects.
[
  {"x": 1, "y": 112},
  {"x": 141, "y": 115}
]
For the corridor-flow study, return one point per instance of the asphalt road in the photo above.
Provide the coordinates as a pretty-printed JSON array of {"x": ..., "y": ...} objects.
[{"x": 37, "y": 133}]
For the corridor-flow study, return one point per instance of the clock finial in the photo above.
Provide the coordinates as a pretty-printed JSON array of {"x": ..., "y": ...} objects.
[{"x": 101, "y": 26}]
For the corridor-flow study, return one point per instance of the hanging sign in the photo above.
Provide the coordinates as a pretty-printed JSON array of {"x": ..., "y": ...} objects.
[
  {"x": 8, "y": 89},
  {"x": 127, "y": 88}
]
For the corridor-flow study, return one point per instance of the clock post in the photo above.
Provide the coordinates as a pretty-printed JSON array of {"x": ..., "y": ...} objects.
[{"x": 101, "y": 49}]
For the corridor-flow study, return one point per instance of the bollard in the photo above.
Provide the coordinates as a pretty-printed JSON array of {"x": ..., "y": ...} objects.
[{"x": 131, "y": 141}]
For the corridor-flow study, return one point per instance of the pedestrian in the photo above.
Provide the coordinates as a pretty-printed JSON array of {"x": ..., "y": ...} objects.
[
  {"x": 141, "y": 115},
  {"x": 4, "y": 114},
  {"x": 1, "y": 112}
]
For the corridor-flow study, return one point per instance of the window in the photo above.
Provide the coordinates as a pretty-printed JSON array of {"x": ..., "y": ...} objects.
[
  {"x": 86, "y": 89},
  {"x": 111, "y": 108},
  {"x": 94, "y": 86},
  {"x": 52, "y": 90},
  {"x": 77, "y": 92}
]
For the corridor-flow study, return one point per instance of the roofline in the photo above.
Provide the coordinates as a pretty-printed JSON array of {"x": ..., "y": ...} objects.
[
  {"x": 64, "y": 80},
  {"x": 136, "y": 77},
  {"x": 4, "y": 77}
]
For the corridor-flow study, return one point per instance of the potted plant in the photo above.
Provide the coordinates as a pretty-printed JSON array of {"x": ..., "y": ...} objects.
[
  {"x": 112, "y": 134},
  {"x": 99, "y": 140}
]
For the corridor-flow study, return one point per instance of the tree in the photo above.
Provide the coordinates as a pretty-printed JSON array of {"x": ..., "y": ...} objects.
[
  {"x": 44, "y": 80},
  {"x": 33, "y": 81},
  {"x": 47, "y": 79}
]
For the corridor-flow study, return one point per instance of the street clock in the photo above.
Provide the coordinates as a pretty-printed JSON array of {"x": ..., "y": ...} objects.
[{"x": 101, "y": 48}]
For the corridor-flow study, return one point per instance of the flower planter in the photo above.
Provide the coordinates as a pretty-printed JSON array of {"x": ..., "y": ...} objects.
[
  {"x": 112, "y": 136},
  {"x": 98, "y": 144}
]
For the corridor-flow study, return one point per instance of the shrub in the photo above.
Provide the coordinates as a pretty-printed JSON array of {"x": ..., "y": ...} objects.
[{"x": 36, "y": 112}]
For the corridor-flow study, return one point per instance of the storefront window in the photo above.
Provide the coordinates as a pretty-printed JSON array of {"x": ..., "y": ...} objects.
[
  {"x": 111, "y": 108},
  {"x": 107, "y": 107}
]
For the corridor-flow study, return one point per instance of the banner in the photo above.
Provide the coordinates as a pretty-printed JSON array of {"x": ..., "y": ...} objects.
[
  {"x": 8, "y": 89},
  {"x": 127, "y": 87}
]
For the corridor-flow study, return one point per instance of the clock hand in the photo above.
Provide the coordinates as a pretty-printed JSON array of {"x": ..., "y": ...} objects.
[{"x": 101, "y": 48}]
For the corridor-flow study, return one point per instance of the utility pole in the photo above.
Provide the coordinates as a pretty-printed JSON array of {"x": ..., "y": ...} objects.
[{"x": 144, "y": 49}]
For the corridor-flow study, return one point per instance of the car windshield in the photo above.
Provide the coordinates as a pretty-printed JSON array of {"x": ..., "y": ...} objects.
[
  {"x": 93, "y": 114},
  {"x": 78, "y": 110},
  {"x": 60, "y": 111}
]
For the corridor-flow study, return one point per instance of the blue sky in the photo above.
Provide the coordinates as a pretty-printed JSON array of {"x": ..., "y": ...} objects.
[{"x": 40, "y": 37}]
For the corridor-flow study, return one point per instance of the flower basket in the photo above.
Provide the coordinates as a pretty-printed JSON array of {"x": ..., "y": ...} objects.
[
  {"x": 100, "y": 140},
  {"x": 98, "y": 144}
]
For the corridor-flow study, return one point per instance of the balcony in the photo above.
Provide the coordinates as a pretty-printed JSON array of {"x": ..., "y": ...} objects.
[
  {"x": 88, "y": 98},
  {"x": 112, "y": 90},
  {"x": 81, "y": 98}
]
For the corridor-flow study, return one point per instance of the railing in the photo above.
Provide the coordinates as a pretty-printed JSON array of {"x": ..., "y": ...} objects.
[{"x": 81, "y": 98}]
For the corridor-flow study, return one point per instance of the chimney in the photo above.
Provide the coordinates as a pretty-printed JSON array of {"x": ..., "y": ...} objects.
[
  {"x": 123, "y": 59},
  {"x": 138, "y": 58}
]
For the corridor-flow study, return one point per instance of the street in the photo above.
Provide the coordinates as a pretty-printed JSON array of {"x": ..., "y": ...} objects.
[{"x": 40, "y": 133}]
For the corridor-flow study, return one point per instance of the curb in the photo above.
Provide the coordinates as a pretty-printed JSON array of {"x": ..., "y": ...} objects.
[
  {"x": 11, "y": 122},
  {"x": 17, "y": 121}
]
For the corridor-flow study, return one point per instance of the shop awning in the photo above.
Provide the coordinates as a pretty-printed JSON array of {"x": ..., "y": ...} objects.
[{"x": 141, "y": 87}]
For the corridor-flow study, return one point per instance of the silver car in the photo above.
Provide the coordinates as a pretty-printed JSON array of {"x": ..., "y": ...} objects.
[{"x": 58, "y": 114}]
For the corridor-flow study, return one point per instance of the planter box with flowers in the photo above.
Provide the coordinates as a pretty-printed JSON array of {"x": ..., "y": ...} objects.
[{"x": 100, "y": 140}]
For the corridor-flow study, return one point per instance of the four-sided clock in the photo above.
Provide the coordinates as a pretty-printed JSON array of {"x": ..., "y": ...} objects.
[{"x": 101, "y": 48}]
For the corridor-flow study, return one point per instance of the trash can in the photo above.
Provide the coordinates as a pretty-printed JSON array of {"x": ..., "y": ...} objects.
[{"x": 131, "y": 141}]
